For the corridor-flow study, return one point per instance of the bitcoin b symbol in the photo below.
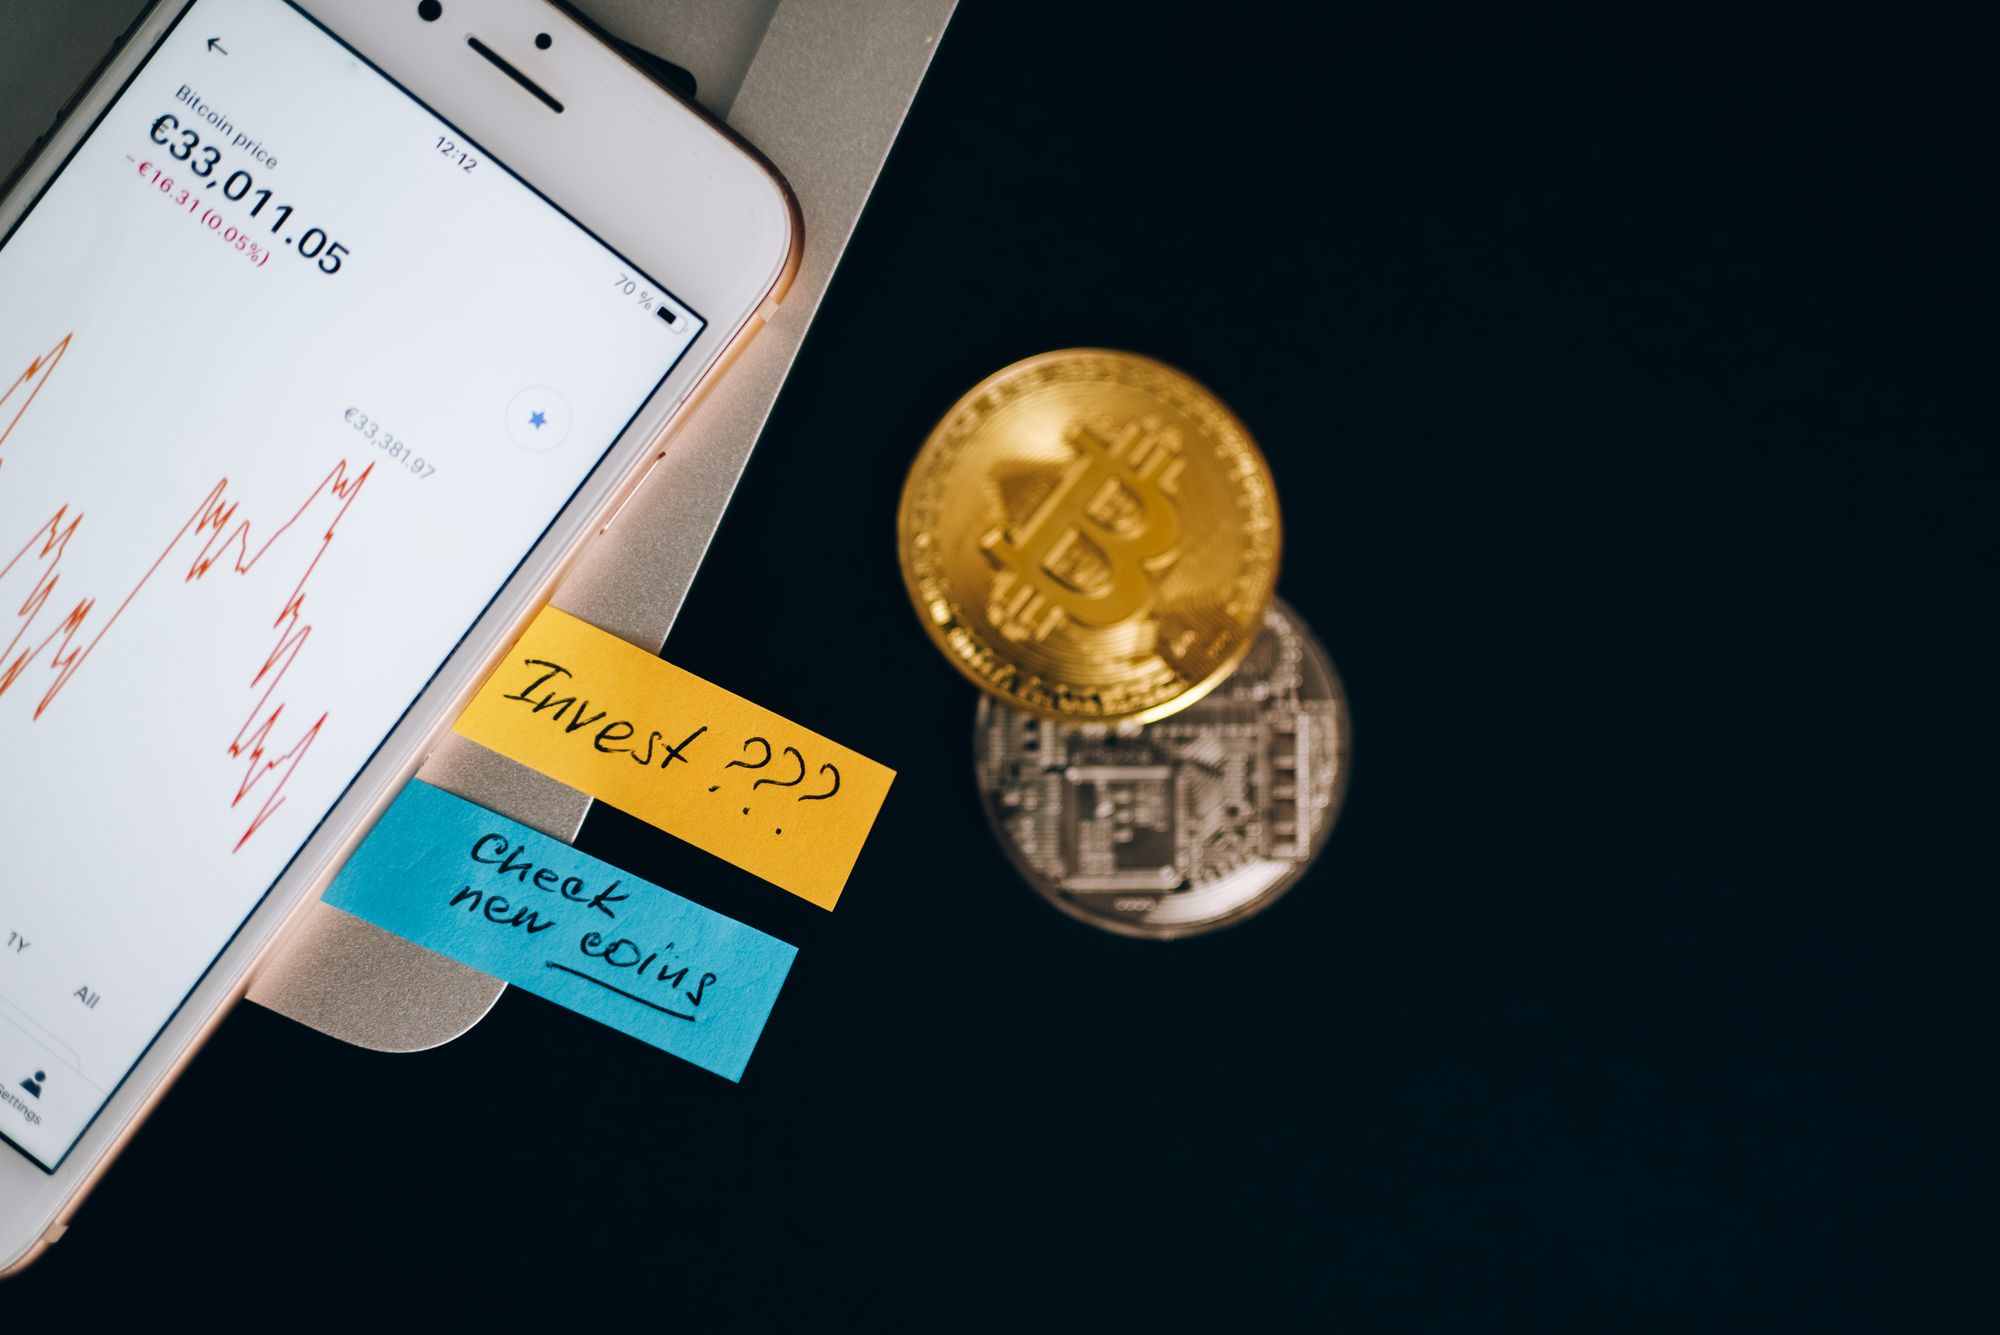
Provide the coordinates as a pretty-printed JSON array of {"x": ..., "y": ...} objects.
[{"x": 1091, "y": 550}]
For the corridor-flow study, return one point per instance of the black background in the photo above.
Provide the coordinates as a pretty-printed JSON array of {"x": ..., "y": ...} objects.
[{"x": 1611, "y": 361}]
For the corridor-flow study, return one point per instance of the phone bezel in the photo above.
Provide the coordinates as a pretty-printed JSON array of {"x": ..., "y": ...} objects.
[{"x": 652, "y": 175}]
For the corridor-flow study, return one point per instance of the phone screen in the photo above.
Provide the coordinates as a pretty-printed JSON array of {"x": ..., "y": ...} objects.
[{"x": 292, "y": 377}]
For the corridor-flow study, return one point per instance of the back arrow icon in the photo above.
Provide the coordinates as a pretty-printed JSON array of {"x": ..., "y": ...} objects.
[{"x": 215, "y": 44}]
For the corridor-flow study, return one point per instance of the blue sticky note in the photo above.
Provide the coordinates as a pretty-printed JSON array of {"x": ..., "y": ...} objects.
[{"x": 493, "y": 894}]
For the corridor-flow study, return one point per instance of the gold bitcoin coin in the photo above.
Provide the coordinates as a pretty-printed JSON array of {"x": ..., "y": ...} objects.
[{"x": 1091, "y": 535}]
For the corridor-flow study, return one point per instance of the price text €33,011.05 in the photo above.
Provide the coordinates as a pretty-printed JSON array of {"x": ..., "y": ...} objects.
[{"x": 203, "y": 162}]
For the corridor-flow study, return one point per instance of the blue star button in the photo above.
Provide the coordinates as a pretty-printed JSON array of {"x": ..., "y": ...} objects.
[{"x": 538, "y": 418}]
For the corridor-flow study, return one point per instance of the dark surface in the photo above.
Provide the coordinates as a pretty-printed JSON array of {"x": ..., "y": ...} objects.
[{"x": 1607, "y": 364}]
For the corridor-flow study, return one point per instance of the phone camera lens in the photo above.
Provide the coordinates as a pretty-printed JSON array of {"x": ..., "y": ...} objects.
[
  {"x": 543, "y": 41},
  {"x": 430, "y": 11}
]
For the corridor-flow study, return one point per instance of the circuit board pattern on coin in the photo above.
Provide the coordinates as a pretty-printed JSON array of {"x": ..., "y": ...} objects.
[
  {"x": 1184, "y": 825},
  {"x": 1091, "y": 535}
]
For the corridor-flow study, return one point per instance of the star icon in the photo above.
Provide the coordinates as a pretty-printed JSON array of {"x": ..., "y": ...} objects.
[{"x": 536, "y": 420}]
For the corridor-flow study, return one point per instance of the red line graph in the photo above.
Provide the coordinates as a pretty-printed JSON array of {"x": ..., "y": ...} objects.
[
  {"x": 37, "y": 375},
  {"x": 228, "y": 545}
]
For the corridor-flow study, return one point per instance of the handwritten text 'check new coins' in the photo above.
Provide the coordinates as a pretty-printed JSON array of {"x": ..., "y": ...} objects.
[
  {"x": 491, "y": 893},
  {"x": 587, "y": 709}
]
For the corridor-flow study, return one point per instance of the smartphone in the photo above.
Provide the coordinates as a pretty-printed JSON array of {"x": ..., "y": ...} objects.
[{"x": 330, "y": 332}]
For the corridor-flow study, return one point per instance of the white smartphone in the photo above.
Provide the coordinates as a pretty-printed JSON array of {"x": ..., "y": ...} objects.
[{"x": 330, "y": 330}]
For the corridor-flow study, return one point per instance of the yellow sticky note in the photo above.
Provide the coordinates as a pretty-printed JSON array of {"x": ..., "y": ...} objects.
[{"x": 587, "y": 709}]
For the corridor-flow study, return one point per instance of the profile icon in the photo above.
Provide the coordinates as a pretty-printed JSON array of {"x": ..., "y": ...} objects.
[{"x": 33, "y": 1084}]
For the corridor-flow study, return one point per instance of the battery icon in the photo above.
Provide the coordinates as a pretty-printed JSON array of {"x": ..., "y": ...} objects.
[{"x": 666, "y": 314}]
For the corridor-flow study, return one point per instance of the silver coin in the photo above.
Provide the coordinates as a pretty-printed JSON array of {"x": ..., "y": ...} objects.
[{"x": 1185, "y": 825}]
